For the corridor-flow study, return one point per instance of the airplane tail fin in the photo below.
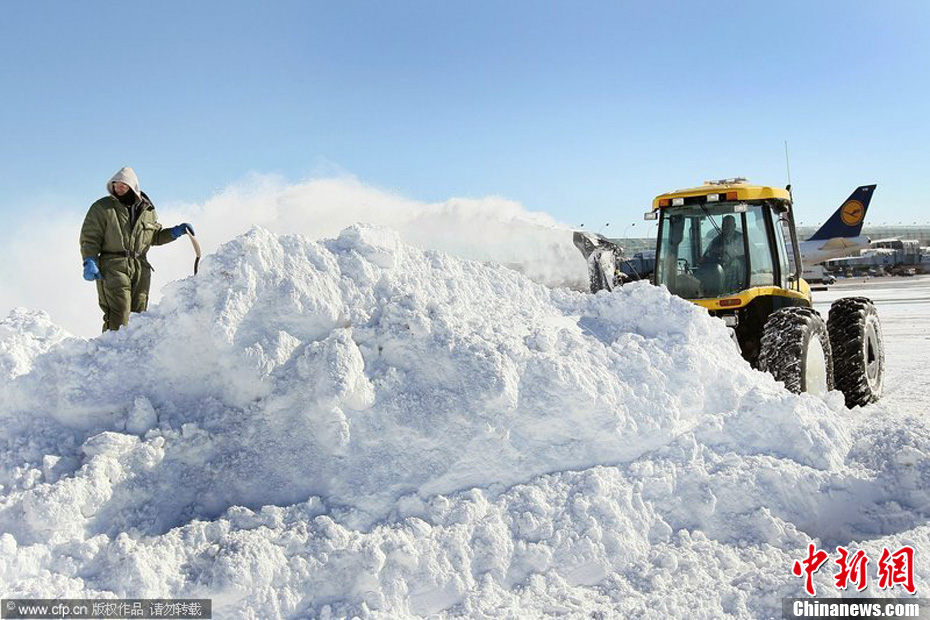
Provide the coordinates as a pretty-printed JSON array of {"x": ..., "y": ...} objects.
[{"x": 847, "y": 220}]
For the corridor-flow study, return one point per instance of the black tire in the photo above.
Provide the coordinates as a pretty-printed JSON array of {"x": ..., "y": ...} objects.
[
  {"x": 789, "y": 350},
  {"x": 858, "y": 350}
]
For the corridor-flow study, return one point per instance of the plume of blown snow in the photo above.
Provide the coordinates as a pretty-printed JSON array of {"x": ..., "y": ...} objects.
[{"x": 491, "y": 229}]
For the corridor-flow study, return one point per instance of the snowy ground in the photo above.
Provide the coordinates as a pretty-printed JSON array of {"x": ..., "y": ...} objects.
[{"x": 358, "y": 427}]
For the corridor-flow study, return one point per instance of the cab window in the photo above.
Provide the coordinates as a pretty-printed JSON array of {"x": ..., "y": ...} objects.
[
  {"x": 785, "y": 250},
  {"x": 761, "y": 267}
]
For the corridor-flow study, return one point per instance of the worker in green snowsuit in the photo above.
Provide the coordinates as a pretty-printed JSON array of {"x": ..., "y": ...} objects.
[{"x": 117, "y": 233}]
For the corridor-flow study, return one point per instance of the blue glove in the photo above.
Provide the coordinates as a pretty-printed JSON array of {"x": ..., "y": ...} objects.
[
  {"x": 181, "y": 229},
  {"x": 91, "y": 271}
]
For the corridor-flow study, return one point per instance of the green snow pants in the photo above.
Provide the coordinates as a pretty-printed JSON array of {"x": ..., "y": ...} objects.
[{"x": 124, "y": 288}]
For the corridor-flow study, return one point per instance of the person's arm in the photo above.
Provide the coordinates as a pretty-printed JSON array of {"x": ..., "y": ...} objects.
[
  {"x": 162, "y": 235},
  {"x": 92, "y": 232},
  {"x": 172, "y": 233},
  {"x": 713, "y": 251},
  {"x": 92, "y": 242}
]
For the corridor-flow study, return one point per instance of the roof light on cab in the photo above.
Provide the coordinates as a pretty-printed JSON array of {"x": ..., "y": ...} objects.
[{"x": 730, "y": 181}]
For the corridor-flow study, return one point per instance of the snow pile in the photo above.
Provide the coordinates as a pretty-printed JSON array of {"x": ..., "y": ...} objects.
[
  {"x": 24, "y": 335},
  {"x": 357, "y": 426}
]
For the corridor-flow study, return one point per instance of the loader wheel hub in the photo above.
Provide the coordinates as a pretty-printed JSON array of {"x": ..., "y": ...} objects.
[
  {"x": 815, "y": 369},
  {"x": 872, "y": 364}
]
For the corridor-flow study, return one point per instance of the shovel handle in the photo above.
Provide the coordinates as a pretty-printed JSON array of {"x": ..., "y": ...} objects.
[{"x": 197, "y": 250}]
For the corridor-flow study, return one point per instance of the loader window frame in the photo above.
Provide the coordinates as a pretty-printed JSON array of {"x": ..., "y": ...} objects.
[
  {"x": 789, "y": 252},
  {"x": 781, "y": 246}
]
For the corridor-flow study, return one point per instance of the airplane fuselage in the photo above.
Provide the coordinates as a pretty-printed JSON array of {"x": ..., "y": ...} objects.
[{"x": 815, "y": 251}]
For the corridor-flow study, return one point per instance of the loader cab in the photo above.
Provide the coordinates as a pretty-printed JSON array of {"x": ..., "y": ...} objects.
[
  {"x": 731, "y": 247},
  {"x": 721, "y": 240}
]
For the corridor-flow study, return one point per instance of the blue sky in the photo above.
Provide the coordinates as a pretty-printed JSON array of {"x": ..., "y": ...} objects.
[{"x": 584, "y": 110}]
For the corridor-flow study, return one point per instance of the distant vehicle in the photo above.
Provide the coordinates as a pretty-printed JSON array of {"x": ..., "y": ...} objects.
[
  {"x": 816, "y": 274},
  {"x": 640, "y": 266},
  {"x": 841, "y": 235},
  {"x": 909, "y": 272}
]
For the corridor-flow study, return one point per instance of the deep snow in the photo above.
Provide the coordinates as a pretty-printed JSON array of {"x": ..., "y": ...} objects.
[{"x": 356, "y": 426}]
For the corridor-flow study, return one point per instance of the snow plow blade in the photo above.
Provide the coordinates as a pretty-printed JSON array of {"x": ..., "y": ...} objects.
[{"x": 604, "y": 258}]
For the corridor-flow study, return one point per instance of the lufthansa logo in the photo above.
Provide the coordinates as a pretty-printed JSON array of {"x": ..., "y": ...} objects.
[{"x": 852, "y": 213}]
